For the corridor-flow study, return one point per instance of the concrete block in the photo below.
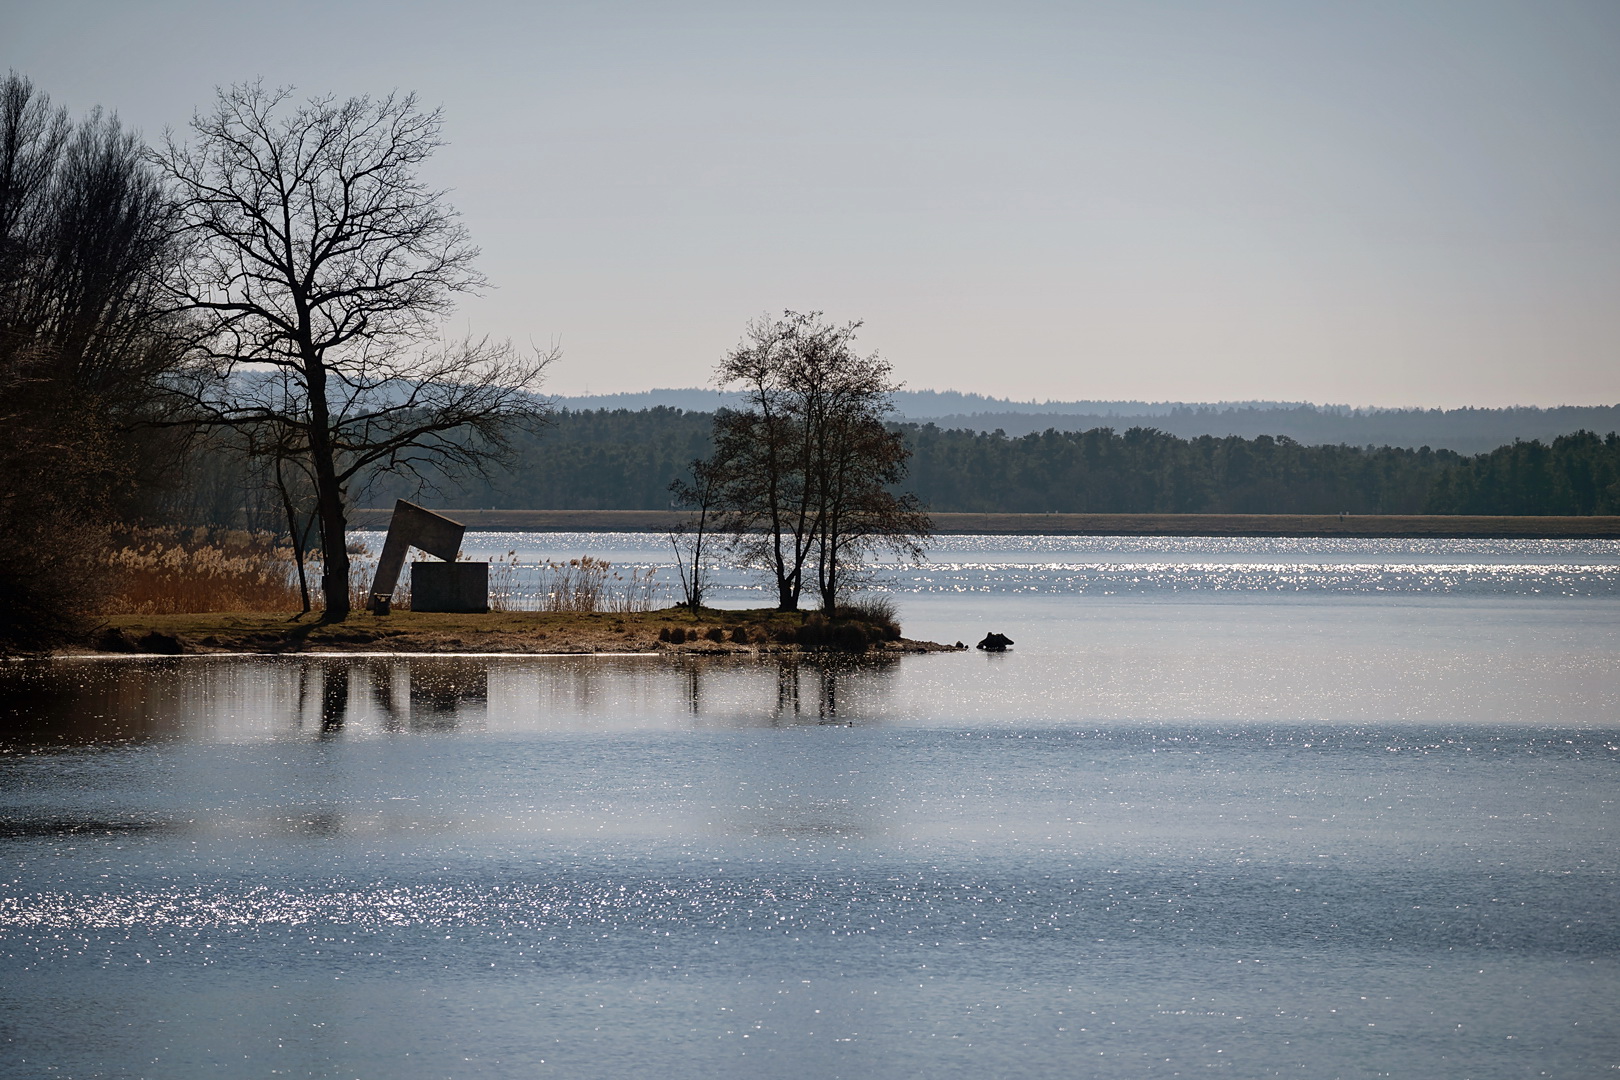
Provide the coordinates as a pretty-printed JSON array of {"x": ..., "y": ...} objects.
[
  {"x": 450, "y": 586},
  {"x": 411, "y": 526}
]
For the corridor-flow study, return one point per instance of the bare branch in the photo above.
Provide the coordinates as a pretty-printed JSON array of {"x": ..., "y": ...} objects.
[{"x": 324, "y": 269}]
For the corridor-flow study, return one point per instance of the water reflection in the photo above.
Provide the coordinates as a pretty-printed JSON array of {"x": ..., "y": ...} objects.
[
  {"x": 61, "y": 827},
  {"x": 334, "y": 696},
  {"x": 827, "y": 677},
  {"x": 441, "y": 695},
  {"x": 86, "y": 702},
  {"x": 67, "y": 703}
]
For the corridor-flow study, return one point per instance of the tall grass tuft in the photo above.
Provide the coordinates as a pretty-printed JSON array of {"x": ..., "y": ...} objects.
[
  {"x": 879, "y": 612},
  {"x": 503, "y": 582},
  {"x": 580, "y": 585},
  {"x": 182, "y": 571},
  {"x": 588, "y": 584}
]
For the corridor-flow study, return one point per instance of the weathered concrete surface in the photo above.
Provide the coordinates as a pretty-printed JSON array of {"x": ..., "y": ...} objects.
[
  {"x": 412, "y": 526},
  {"x": 460, "y": 587}
]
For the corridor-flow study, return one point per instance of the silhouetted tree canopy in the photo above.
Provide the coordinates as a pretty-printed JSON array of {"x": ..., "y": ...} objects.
[
  {"x": 322, "y": 269},
  {"x": 807, "y": 471}
]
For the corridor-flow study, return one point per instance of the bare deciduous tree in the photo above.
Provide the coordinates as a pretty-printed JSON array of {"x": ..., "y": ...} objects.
[
  {"x": 856, "y": 467},
  {"x": 693, "y": 538},
  {"x": 324, "y": 267},
  {"x": 807, "y": 465}
]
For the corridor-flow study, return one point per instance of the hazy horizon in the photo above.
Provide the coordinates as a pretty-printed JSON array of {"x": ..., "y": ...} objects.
[
  {"x": 1157, "y": 402},
  {"x": 1409, "y": 205}
]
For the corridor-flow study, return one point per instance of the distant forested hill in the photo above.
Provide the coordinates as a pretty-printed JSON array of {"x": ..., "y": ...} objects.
[
  {"x": 1467, "y": 431},
  {"x": 624, "y": 460}
]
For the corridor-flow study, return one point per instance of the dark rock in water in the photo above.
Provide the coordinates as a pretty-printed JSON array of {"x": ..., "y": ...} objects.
[
  {"x": 995, "y": 643},
  {"x": 959, "y": 645}
]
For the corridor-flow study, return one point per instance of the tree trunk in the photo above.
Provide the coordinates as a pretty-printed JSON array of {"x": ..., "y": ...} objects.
[
  {"x": 328, "y": 498},
  {"x": 334, "y": 544},
  {"x": 827, "y": 567},
  {"x": 295, "y": 537}
]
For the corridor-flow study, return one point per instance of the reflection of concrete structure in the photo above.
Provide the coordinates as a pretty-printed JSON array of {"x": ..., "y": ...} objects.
[
  {"x": 440, "y": 690},
  {"x": 412, "y": 526}
]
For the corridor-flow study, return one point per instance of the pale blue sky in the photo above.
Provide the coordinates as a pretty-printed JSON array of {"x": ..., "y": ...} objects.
[{"x": 1366, "y": 203}]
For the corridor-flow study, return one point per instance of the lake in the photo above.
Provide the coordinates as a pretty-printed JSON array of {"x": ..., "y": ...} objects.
[{"x": 1249, "y": 808}]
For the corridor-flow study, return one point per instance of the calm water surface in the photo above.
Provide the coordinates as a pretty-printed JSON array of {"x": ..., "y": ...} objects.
[{"x": 1244, "y": 808}]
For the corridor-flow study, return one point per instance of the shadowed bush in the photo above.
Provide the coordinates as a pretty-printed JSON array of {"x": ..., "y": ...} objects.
[
  {"x": 52, "y": 581},
  {"x": 878, "y": 612}
]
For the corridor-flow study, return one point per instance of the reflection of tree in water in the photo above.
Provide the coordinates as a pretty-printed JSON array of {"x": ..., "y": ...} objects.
[
  {"x": 836, "y": 680},
  {"x": 68, "y": 703},
  {"x": 334, "y": 696},
  {"x": 436, "y": 691},
  {"x": 823, "y": 689},
  {"x": 384, "y": 694},
  {"x": 827, "y": 700},
  {"x": 330, "y": 680},
  {"x": 787, "y": 688}
]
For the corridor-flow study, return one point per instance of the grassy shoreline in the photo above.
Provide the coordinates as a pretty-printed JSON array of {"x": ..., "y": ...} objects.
[
  {"x": 1417, "y": 526},
  {"x": 712, "y": 632}
]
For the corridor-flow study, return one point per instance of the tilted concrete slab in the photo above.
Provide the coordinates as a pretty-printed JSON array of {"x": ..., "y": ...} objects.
[{"x": 413, "y": 526}]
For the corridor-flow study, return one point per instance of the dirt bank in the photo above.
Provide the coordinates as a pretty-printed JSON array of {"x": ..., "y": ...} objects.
[{"x": 710, "y": 632}]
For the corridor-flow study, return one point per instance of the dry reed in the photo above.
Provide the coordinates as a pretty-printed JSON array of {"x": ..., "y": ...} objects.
[
  {"x": 580, "y": 585},
  {"x": 188, "y": 571},
  {"x": 184, "y": 571},
  {"x": 503, "y": 582},
  {"x": 588, "y": 584}
]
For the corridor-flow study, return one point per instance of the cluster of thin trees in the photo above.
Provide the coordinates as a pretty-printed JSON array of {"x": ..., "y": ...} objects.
[
  {"x": 271, "y": 285},
  {"x": 801, "y": 484},
  {"x": 88, "y": 260}
]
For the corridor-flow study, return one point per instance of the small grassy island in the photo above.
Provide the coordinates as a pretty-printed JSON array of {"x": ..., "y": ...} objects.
[{"x": 672, "y": 631}]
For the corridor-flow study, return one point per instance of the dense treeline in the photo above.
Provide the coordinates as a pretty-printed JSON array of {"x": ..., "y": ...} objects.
[
  {"x": 1467, "y": 431},
  {"x": 85, "y": 253},
  {"x": 1576, "y": 474},
  {"x": 588, "y": 460},
  {"x": 1144, "y": 471},
  {"x": 619, "y": 459}
]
